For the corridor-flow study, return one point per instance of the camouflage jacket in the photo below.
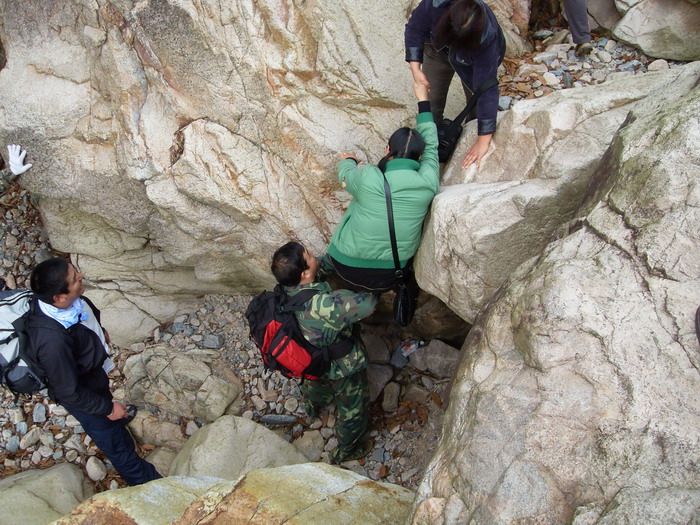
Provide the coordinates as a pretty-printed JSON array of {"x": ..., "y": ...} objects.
[
  {"x": 7, "y": 178},
  {"x": 330, "y": 315}
]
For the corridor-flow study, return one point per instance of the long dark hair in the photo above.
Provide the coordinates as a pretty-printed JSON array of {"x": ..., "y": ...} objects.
[
  {"x": 462, "y": 25},
  {"x": 404, "y": 143}
]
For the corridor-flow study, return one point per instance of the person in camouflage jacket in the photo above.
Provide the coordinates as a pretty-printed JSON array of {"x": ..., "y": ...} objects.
[
  {"x": 16, "y": 166},
  {"x": 328, "y": 316}
]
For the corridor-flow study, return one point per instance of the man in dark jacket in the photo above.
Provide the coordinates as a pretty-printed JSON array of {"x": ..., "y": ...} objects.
[
  {"x": 69, "y": 345},
  {"x": 463, "y": 36}
]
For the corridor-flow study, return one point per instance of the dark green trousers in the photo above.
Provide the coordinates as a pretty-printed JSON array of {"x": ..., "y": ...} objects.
[{"x": 351, "y": 395}]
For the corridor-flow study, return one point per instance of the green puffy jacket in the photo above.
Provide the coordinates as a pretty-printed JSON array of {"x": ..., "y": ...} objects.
[{"x": 362, "y": 237}]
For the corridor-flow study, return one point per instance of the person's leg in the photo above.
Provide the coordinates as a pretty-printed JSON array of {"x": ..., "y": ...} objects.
[
  {"x": 352, "y": 402},
  {"x": 116, "y": 442},
  {"x": 439, "y": 72},
  {"x": 317, "y": 394},
  {"x": 577, "y": 16}
]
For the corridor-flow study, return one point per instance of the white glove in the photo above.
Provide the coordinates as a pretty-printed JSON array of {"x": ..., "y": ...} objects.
[{"x": 16, "y": 156}]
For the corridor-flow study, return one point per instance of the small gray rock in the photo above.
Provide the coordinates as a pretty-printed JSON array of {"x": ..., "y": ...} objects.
[
  {"x": 30, "y": 438},
  {"x": 96, "y": 470},
  {"x": 39, "y": 415},
  {"x": 504, "y": 102},
  {"x": 378, "y": 455},
  {"x": 212, "y": 341},
  {"x": 390, "y": 403},
  {"x": 658, "y": 65},
  {"x": 12, "y": 444},
  {"x": 542, "y": 34}
]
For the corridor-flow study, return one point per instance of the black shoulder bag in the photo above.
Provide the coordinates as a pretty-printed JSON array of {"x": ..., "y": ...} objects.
[
  {"x": 449, "y": 131},
  {"x": 405, "y": 300}
]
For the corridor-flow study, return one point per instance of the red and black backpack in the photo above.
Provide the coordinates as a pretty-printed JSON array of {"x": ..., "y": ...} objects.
[{"x": 275, "y": 331}]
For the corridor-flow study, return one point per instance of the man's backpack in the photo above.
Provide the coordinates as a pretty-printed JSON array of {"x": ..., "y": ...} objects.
[
  {"x": 275, "y": 331},
  {"x": 17, "y": 371}
]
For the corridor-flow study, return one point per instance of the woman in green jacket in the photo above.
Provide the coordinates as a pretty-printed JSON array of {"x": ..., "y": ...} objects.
[{"x": 360, "y": 250}]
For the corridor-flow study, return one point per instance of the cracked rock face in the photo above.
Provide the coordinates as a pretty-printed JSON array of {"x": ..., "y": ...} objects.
[
  {"x": 485, "y": 223},
  {"x": 644, "y": 25},
  {"x": 177, "y": 144},
  {"x": 577, "y": 401},
  {"x": 317, "y": 494}
]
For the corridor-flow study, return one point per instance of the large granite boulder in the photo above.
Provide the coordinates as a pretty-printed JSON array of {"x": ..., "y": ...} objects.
[
  {"x": 485, "y": 223},
  {"x": 662, "y": 28},
  {"x": 309, "y": 494},
  {"x": 176, "y": 145},
  {"x": 576, "y": 401},
  {"x": 158, "y": 502},
  {"x": 37, "y": 497},
  {"x": 232, "y": 446}
]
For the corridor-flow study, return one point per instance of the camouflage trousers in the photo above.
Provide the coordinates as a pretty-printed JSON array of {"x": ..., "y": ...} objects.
[{"x": 351, "y": 395}]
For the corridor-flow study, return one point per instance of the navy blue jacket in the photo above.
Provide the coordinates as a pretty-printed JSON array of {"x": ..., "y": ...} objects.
[
  {"x": 473, "y": 68},
  {"x": 71, "y": 360}
]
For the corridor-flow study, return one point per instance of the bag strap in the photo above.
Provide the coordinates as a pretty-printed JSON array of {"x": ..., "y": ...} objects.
[
  {"x": 297, "y": 303},
  {"x": 472, "y": 102},
  {"x": 392, "y": 231}
]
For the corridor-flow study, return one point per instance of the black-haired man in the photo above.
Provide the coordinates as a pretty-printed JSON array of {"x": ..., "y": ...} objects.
[
  {"x": 68, "y": 343},
  {"x": 329, "y": 316}
]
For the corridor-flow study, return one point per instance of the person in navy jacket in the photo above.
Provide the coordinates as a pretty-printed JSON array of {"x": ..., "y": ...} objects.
[{"x": 463, "y": 36}]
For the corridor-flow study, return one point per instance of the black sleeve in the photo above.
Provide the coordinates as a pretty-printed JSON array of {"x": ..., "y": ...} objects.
[
  {"x": 55, "y": 357},
  {"x": 417, "y": 32}
]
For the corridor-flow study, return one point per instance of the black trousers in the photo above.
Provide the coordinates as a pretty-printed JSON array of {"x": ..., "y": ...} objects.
[{"x": 377, "y": 280}]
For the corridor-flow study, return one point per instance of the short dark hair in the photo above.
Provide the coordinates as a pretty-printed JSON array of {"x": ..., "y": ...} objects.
[
  {"x": 462, "y": 25},
  {"x": 49, "y": 278},
  {"x": 288, "y": 264},
  {"x": 404, "y": 143}
]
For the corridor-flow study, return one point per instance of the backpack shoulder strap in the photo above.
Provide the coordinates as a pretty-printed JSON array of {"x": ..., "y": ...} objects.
[{"x": 295, "y": 303}]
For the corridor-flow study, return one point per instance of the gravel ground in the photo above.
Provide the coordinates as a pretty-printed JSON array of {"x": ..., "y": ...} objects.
[{"x": 35, "y": 433}]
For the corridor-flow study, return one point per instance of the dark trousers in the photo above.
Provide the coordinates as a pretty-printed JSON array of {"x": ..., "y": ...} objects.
[
  {"x": 439, "y": 72},
  {"x": 378, "y": 280},
  {"x": 116, "y": 442},
  {"x": 577, "y": 17}
]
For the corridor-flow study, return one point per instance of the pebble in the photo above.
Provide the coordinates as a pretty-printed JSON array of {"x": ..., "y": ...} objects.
[
  {"x": 192, "y": 427},
  {"x": 551, "y": 79},
  {"x": 39, "y": 415},
  {"x": 21, "y": 428},
  {"x": 212, "y": 341},
  {"x": 604, "y": 56},
  {"x": 96, "y": 470},
  {"x": 12, "y": 444},
  {"x": 504, "y": 103},
  {"x": 15, "y": 415},
  {"x": 291, "y": 404},
  {"x": 30, "y": 438},
  {"x": 658, "y": 65},
  {"x": 57, "y": 410}
]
